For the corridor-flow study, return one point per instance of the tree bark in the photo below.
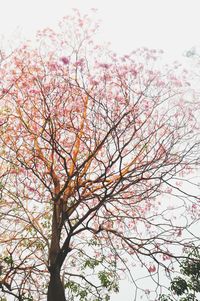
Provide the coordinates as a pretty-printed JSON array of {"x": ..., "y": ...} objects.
[{"x": 56, "y": 291}]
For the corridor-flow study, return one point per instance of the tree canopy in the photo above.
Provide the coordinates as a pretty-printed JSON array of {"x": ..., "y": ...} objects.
[{"x": 91, "y": 145}]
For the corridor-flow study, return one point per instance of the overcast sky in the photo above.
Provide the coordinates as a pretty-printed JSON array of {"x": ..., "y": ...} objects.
[{"x": 171, "y": 25}]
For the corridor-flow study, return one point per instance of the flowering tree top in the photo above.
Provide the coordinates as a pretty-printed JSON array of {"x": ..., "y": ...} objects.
[{"x": 89, "y": 142}]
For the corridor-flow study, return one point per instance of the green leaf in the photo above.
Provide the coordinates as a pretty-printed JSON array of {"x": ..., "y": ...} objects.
[
  {"x": 179, "y": 286},
  {"x": 8, "y": 260}
]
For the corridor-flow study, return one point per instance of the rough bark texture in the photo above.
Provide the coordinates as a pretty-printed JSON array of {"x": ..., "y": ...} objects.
[
  {"x": 55, "y": 235},
  {"x": 56, "y": 290}
]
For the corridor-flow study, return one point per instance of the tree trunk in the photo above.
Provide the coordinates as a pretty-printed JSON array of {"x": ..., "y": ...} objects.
[{"x": 56, "y": 291}]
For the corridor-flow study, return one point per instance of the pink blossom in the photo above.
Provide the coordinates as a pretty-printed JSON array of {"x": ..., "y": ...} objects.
[
  {"x": 81, "y": 22},
  {"x": 194, "y": 206},
  {"x": 104, "y": 65},
  {"x": 134, "y": 72},
  {"x": 53, "y": 66},
  {"x": 2, "y": 121},
  {"x": 166, "y": 257},
  {"x": 79, "y": 63},
  {"x": 33, "y": 91},
  {"x": 31, "y": 189},
  {"x": 179, "y": 232},
  {"x": 4, "y": 91},
  {"x": 93, "y": 82},
  {"x": 64, "y": 60},
  {"x": 152, "y": 269}
]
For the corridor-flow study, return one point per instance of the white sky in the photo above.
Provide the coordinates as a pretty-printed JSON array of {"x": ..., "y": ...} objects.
[{"x": 171, "y": 25}]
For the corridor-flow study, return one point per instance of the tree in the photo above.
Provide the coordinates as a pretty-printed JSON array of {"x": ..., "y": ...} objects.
[
  {"x": 90, "y": 142},
  {"x": 187, "y": 286}
]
